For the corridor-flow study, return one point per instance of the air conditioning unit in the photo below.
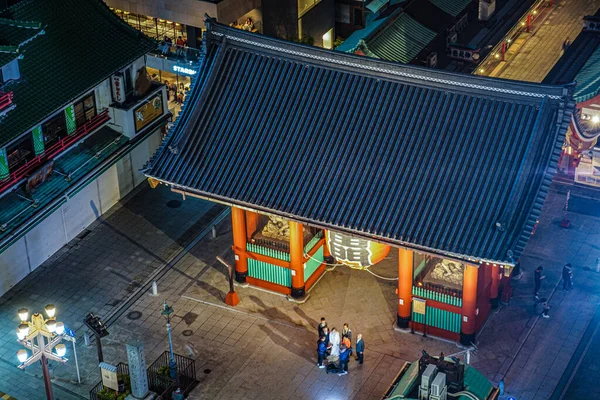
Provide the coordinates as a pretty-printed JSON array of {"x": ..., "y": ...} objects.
[
  {"x": 438, "y": 390},
  {"x": 452, "y": 38},
  {"x": 432, "y": 60},
  {"x": 426, "y": 380},
  {"x": 486, "y": 9}
]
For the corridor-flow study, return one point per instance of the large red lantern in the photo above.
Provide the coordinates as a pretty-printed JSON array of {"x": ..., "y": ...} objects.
[{"x": 355, "y": 251}]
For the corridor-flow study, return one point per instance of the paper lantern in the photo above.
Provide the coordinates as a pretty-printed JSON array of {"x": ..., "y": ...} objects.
[{"x": 355, "y": 251}]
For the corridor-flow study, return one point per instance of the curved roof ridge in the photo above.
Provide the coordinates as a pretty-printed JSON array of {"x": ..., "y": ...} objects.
[{"x": 21, "y": 23}]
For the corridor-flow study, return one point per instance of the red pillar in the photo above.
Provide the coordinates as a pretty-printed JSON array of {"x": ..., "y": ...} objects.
[
  {"x": 238, "y": 225},
  {"x": 251, "y": 222},
  {"x": 467, "y": 331},
  {"x": 494, "y": 286},
  {"x": 528, "y": 22},
  {"x": 503, "y": 50},
  {"x": 405, "y": 283},
  {"x": 297, "y": 259},
  {"x": 326, "y": 253}
]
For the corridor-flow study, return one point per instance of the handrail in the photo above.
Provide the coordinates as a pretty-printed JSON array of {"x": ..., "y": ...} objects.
[{"x": 54, "y": 150}]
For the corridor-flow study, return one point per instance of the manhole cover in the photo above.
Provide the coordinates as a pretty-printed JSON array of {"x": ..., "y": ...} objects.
[
  {"x": 134, "y": 315},
  {"x": 173, "y": 204},
  {"x": 207, "y": 371},
  {"x": 187, "y": 332}
]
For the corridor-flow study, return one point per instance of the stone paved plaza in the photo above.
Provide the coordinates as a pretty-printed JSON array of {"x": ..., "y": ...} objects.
[{"x": 264, "y": 347}]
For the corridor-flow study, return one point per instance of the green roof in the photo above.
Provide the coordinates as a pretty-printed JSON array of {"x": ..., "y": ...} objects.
[
  {"x": 84, "y": 43},
  {"x": 452, "y": 7},
  {"x": 400, "y": 40},
  {"x": 81, "y": 159},
  {"x": 588, "y": 78}
]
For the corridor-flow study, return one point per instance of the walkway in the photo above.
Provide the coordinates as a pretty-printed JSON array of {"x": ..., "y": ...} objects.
[{"x": 532, "y": 55}]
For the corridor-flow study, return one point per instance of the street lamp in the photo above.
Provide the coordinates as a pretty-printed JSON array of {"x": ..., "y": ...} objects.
[
  {"x": 40, "y": 335},
  {"x": 166, "y": 312}
]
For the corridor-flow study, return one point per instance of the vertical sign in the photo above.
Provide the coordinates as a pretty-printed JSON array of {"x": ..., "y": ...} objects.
[
  {"x": 118, "y": 89},
  {"x": 109, "y": 376},
  {"x": 70, "y": 117},
  {"x": 4, "y": 173},
  {"x": 137, "y": 370},
  {"x": 38, "y": 140}
]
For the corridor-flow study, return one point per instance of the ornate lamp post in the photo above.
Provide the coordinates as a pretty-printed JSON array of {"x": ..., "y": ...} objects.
[
  {"x": 166, "y": 312},
  {"x": 41, "y": 336}
]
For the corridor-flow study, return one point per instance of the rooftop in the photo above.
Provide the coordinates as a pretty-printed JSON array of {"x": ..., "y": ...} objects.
[
  {"x": 431, "y": 160},
  {"x": 82, "y": 45}
]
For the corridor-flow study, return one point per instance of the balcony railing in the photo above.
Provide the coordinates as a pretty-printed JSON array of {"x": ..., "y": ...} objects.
[{"x": 52, "y": 151}]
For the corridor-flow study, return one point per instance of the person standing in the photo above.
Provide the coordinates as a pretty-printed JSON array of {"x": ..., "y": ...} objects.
[
  {"x": 344, "y": 358},
  {"x": 321, "y": 351},
  {"x": 567, "y": 275},
  {"x": 538, "y": 277},
  {"x": 360, "y": 348},
  {"x": 347, "y": 333},
  {"x": 322, "y": 325},
  {"x": 334, "y": 344}
]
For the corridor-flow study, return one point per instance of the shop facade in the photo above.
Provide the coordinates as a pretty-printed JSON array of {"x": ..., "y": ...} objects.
[{"x": 455, "y": 222}]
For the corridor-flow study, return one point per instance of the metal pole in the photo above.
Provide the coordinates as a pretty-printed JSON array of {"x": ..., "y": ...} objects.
[
  {"x": 172, "y": 364},
  {"x": 99, "y": 346},
  {"x": 76, "y": 363},
  {"x": 46, "y": 374}
]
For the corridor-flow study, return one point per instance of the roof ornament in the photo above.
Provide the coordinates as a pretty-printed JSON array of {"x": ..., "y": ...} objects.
[{"x": 500, "y": 227}]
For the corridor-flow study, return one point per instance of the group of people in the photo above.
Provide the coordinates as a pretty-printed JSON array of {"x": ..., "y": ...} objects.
[
  {"x": 174, "y": 93},
  {"x": 538, "y": 277},
  {"x": 180, "y": 46},
  {"x": 248, "y": 25},
  {"x": 334, "y": 346}
]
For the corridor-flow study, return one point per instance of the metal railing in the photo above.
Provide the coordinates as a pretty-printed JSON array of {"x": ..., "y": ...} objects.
[
  {"x": 173, "y": 52},
  {"x": 52, "y": 151},
  {"x": 159, "y": 380},
  {"x": 96, "y": 392}
]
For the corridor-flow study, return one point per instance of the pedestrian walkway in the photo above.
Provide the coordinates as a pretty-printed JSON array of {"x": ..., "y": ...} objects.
[{"x": 532, "y": 55}]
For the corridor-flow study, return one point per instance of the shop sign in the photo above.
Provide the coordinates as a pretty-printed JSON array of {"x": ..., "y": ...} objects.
[
  {"x": 464, "y": 53},
  {"x": 184, "y": 70},
  {"x": 117, "y": 88},
  {"x": 355, "y": 251},
  {"x": 4, "y": 173},
  {"x": 109, "y": 375},
  {"x": 419, "y": 306},
  {"x": 40, "y": 176},
  {"x": 70, "y": 119},
  {"x": 148, "y": 112}
]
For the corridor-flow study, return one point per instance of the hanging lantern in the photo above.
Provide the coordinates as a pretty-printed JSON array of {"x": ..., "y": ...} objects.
[{"x": 355, "y": 251}]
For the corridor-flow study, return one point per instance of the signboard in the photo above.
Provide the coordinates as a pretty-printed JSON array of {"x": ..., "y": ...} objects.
[
  {"x": 69, "y": 332},
  {"x": 118, "y": 88},
  {"x": 40, "y": 176},
  {"x": 463, "y": 53},
  {"x": 355, "y": 251},
  {"x": 109, "y": 376},
  {"x": 38, "y": 140},
  {"x": 70, "y": 118},
  {"x": 148, "y": 112},
  {"x": 184, "y": 70},
  {"x": 419, "y": 305},
  {"x": 3, "y": 164}
]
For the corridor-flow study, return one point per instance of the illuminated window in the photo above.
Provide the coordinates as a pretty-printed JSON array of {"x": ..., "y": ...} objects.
[{"x": 328, "y": 39}]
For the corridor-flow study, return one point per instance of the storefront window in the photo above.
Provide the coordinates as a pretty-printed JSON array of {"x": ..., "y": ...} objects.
[
  {"x": 85, "y": 109},
  {"x": 157, "y": 28},
  {"x": 20, "y": 153},
  {"x": 54, "y": 130},
  {"x": 439, "y": 274}
]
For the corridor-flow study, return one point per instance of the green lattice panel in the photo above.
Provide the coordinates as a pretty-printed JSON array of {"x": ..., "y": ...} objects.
[
  {"x": 38, "y": 140},
  {"x": 269, "y": 272},
  {"x": 313, "y": 242},
  {"x": 313, "y": 263},
  {"x": 267, "y": 251},
  {"x": 70, "y": 117},
  {"x": 437, "y": 296},
  {"x": 4, "y": 173},
  {"x": 441, "y": 319}
]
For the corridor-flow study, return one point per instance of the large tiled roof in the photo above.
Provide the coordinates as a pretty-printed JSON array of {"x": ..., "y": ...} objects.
[
  {"x": 83, "y": 44},
  {"x": 431, "y": 160},
  {"x": 401, "y": 40}
]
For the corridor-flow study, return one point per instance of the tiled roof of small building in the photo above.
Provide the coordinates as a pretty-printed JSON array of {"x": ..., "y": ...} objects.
[
  {"x": 452, "y": 7},
  {"x": 84, "y": 43},
  {"x": 435, "y": 161}
]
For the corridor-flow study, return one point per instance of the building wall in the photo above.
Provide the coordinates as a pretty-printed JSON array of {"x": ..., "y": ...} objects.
[
  {"x": 280, "y": 18},
  {"x": 187, "y": 12},
  {"x": 83, "y": 208},
  {"x": 236, "y": 10},
  {"x": 318, "y": 21}
]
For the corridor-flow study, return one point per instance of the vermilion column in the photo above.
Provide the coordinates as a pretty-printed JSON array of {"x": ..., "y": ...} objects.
[
  {"x": 405, "y": 283},
  {"x": 238, "y": 225},
  {"x": 251, "y": 222},
  {"x": 297, "y": 259},
  {"x": 326, "y": 253},
  {"x": 494, "y": 286},
  {"x": 467, "y": 331}
]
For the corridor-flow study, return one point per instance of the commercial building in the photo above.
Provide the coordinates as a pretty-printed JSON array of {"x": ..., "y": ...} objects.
[
  {"x": 79, "y": 116},
  {"x": 338, "y": 158},
  {"x": 580, "y": 63}
]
